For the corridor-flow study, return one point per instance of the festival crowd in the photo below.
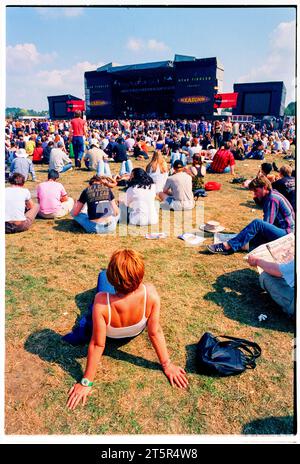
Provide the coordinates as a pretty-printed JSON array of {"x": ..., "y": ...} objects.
[{"x": 180, "y": 156}]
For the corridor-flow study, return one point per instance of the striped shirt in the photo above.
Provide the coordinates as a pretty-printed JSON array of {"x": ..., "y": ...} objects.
[
  {"x": 278, "y": 211},
  {"x": 222, "y": 159}
]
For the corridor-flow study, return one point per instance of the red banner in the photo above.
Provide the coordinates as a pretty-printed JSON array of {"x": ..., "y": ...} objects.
[
  {"x": 225, "y": 100},
  {"x": 75, "y": 105}
]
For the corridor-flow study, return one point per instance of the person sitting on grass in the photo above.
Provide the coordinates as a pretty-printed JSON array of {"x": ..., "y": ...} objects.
[
  {"x": 239, "y": 150},
  {"x": 197, "y": 171},
  {"x": 140, "y": 149},
  {"x": 59, "y": 160},
  {"x": 158, "y": 170},
  {"x": 257, "y": 152},
  {"x": 47, "y": 151},
  {"x": 102, "y": 212},
  {"x": 177, "y": 154},
  {"x": 120, "y": 151},
  {"x": 278, "y": 280},
  {"x": 223, "y": 161},
  {"x": 22, "y": 165},
  {"x": 279, "y": 220},
  {"x": 53, "y": 199},
  {"x": 265, "y": 170},
  {"x": 92, "y": 157},
  {"x": 20, "y": 210},
  {"x": 178, "y": 191},
  {"x": 140, "y": 199},
  {"x": 37, "y": 156},
  {"x": 286, "y": 184},
  {"x": 123, "y": 308}
]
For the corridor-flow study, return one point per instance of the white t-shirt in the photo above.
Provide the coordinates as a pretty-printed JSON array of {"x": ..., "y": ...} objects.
[
  {"x": 104, "y": 144},
  {"x": 129, "y": 143},
  {"x": 182, "y": 192},
  {"x": 285, "y": 145},
  {"x": 15, "y": 198},
  {"x": 58, "y": 159},
  {"x": 194, "y": 150},
  {"x": 141, "y": 204},
  {"x": 159, "y": 179}
]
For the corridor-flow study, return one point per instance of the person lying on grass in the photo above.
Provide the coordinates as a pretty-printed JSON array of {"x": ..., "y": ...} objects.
[{"x": 122, "y": 310}]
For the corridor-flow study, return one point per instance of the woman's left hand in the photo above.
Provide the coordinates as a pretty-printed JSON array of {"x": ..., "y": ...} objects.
[
  {"x": 77, "y": 393},
  {"x": 176, "y": 375}
]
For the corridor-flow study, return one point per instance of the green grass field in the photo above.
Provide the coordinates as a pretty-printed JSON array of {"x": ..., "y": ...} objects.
[{"x": 51, "y": 274}]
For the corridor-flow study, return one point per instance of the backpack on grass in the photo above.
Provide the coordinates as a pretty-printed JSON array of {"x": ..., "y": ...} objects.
[
  {"x": 212, "y": 185},
  {"x": 230, "y": 357}
]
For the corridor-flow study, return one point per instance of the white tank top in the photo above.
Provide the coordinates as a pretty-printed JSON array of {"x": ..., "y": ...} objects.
[{"x": 129, "y": 331}]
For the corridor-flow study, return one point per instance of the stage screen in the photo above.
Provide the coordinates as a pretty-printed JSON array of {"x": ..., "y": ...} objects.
[
  {"x": 257, "y": 103},
  {"x": 194, "y": 91},
  {"x": 98, "y": 94},
  {"x": 60, "y": 109}
]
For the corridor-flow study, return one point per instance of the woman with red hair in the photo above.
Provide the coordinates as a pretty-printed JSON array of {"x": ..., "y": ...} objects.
[{"x": 123, "y": 308}]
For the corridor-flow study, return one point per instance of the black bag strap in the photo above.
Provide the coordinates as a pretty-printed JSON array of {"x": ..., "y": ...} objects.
[{"x": 245, "y": 345}]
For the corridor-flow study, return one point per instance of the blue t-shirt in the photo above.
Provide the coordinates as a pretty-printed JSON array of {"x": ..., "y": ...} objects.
[{"x": 288, "y": 272}]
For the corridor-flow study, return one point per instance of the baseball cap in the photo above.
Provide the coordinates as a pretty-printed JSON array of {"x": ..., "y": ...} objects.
[{"x": 178, "y": 164}]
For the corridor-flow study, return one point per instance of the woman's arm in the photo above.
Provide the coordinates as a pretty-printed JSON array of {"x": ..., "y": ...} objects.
[
  {"x": 115, "y": 208},
  {"x": 175, "y": 374},
  {"x": 77, "y": 208},
  {"x": 96, "y": 347}
]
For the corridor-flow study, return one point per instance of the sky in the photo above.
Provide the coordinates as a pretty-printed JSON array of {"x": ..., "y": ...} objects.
[{"x": 48, "y": 49}]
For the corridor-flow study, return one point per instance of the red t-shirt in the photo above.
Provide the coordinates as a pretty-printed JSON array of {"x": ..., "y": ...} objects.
[
  {"x": 144, "y": 146},
  {"x": 78, "y": 126},
  {"x": 222, "y": 159},
  {"x": 37, "y": 154}
]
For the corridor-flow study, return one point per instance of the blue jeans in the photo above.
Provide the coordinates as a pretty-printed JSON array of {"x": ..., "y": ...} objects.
[
  {"x": 178, "y": 156},
  {"x": 256, "y": 155},
  {"x": 209, "y": 169},
  {"x": 126, "y": 167},
  {"x": 256, "y": 233},
  {"x": 103, "y": 168},
  {"x": 66, "y": 167},
  {"x": 96, "y": 227},
  {"x": 78, "y": 147}
]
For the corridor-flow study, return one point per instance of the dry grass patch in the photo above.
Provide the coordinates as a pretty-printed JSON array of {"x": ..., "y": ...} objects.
[{"x": 51, "y": 274}]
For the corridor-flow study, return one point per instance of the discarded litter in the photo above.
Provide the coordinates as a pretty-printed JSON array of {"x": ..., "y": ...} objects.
[
  {"x": 262, "y": 317},
  {"x": 192, "y": 239},
  {"x": 155, "y": 236}
]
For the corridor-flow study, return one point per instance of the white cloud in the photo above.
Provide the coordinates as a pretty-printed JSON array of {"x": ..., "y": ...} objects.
[
  {"x": 30, "y": 90},
  {"x": 280, "y": 62},
  {"x": 155, "y": 45},
  {"x": 140, "y": 45},
  {"x": 284, "y": 36},
  {"x": 25, "y": 56},
  {"x": 135, "y": 45},
  {"x": 56, "y": 12},
  {"x": 65, "y": 79}
]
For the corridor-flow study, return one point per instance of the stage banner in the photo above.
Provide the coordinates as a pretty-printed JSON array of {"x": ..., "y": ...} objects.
[
  {"x": 225, "y": 100},
  {"x": 75, "y": 105},
  {"x": 194, "y": 89},
  {"x": 98, "y": 95}
]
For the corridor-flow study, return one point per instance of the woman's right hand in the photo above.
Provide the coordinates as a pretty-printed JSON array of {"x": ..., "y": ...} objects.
[
  {"x": 76, "y": 394},
  {"x": 176, "y": 375}
]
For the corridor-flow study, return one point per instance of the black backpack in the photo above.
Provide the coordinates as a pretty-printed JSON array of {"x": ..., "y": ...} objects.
[{"x": 231, "y": 357}]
